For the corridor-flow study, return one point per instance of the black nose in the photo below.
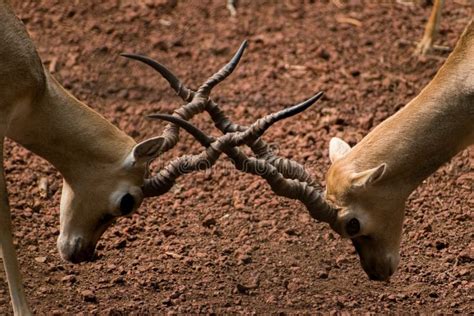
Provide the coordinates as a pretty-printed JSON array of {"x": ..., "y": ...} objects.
[
  {"x": 378, "y": 276},
  {"x": 77, "y": 250},
  {"x": 81, "y": 256}
]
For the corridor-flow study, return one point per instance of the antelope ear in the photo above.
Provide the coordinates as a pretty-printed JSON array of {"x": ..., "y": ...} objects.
[
  {"x": 147, "y": 150},
  {"x": 338, "y": 149},
  {"x": 368, "y": 177}
]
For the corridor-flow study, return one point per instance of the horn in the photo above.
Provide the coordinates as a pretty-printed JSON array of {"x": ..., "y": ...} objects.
[
  {"x": 286, "y": 177},
  {"x": 289, "y": 168},
  {"x": 196, "y": 100},
  {"x": 309, "y": 195}
]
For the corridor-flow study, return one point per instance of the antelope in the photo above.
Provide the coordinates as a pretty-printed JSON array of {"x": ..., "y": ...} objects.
[
  {"x": 370, "y": 183},
  {"x": 431, "y": 29},
  {"x": 105, "y": 171},
  {"x": 367, "y": 186}
]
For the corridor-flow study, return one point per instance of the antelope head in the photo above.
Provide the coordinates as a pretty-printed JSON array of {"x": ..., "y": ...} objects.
[
  {"x": 112, "y": 183},
  {"x": 94, "y": 199},
  {"x": 369, "y": 212}
]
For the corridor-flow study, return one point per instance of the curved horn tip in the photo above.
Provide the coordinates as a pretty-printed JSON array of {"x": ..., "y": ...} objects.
[
  {"x": 239, "y": 52},
  {"x": 129, "y": 55},
  {"x": 142, "y": 58},
  {"x": 191, "y": 129},
  {"x": 159, "y": 116},
  {"x": 242, "y": 48},
  {"x": 315, "y": 97},
  {"x": 298, "y": 108},
  {"x": 306, "y": 104},
  {"x": 319, "y": 94}
]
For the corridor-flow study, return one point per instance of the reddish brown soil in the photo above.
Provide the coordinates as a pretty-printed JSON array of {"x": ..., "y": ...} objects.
[{"x": 260, "y": 253}]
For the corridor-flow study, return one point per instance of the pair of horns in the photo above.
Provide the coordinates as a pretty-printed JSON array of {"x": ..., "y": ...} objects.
[{"x": 286, "y": 177}]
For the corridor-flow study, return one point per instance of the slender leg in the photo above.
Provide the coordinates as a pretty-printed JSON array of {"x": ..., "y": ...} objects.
[
  {"x": 426, "y": 43},
  {"x": 20, "y": 306}
]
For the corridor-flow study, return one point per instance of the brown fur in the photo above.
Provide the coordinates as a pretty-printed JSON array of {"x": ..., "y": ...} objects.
[
  {"x": 93, "y": 155},
  {"x": 413, "y": 143}
]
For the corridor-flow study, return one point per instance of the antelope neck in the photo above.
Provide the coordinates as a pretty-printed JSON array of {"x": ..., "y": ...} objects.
[{"x": 67, "y": 133}]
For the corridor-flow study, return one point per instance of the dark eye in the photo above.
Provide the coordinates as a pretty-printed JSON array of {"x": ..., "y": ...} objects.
[
  {"x": 352, "y": 227},
  {"x": 127, "y": 204}
]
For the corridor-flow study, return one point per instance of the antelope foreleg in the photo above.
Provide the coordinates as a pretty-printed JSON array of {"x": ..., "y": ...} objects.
[{"x": 7, "y": 250}]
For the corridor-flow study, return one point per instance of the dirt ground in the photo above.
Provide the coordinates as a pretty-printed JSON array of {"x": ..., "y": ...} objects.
[{"x": 222, "y": 242}]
